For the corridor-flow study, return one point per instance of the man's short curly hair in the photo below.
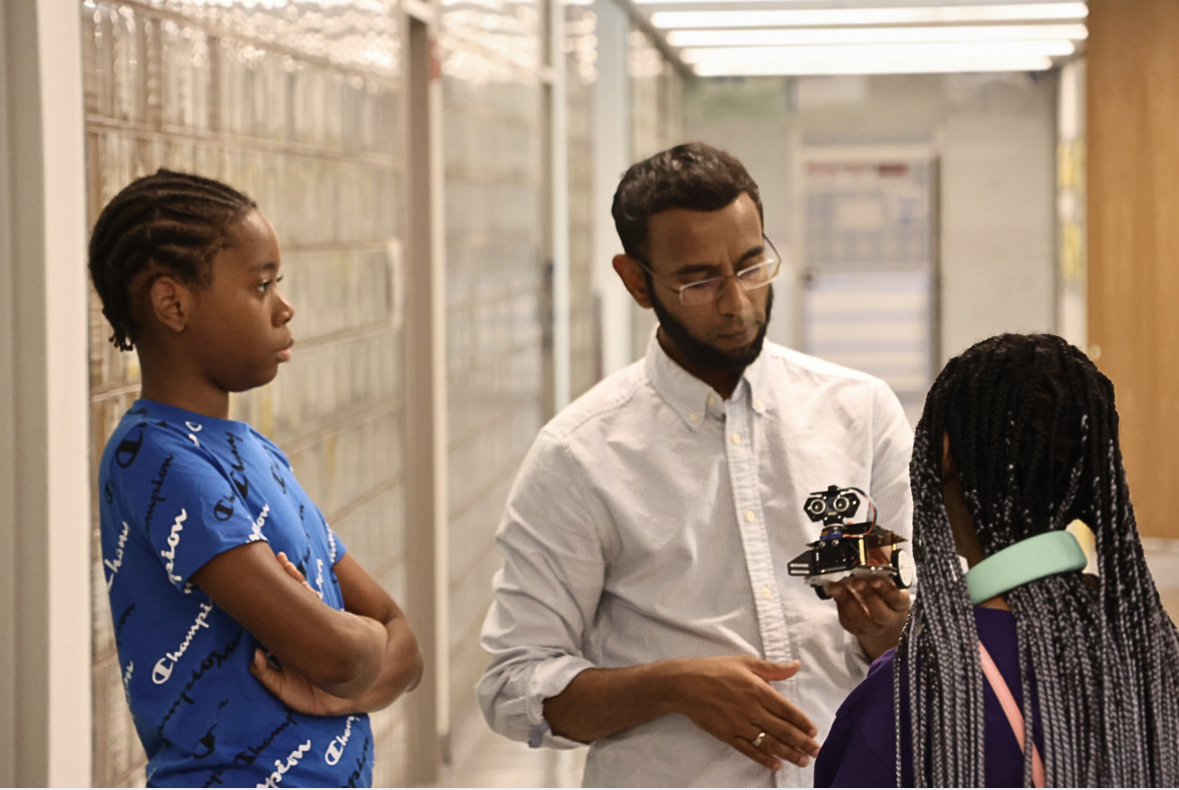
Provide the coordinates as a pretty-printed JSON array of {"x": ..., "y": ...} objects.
[
  {"x": 692, "y": 176},
  {"x": 169, "y": 222}
]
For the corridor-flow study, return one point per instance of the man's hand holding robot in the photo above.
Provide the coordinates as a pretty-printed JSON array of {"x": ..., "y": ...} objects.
[{"x": 860, "y": 566}]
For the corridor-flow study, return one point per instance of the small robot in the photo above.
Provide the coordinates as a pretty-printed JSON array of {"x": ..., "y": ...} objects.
[{"x": 844, "y": 548}]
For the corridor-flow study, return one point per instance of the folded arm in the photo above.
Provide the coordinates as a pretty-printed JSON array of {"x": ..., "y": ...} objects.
[
  {"x": 401, "y": 666},
  {"x": 338, "y": 651}
]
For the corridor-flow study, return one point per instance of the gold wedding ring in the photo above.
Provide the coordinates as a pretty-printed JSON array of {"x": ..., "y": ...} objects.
[{"x": 761, "y": 736}]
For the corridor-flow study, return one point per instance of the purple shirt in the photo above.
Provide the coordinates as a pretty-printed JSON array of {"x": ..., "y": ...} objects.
[{"x": 860, "y": 751}]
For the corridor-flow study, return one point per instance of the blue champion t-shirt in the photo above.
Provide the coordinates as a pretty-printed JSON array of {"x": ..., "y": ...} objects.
[{"x": 177, "y": 489}]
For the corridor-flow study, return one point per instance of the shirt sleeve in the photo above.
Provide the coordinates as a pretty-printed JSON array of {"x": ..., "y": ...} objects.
[
  {"x": 335, "y": 546},
  {"x": 181, "y": 499},
  {"x": 546, "y": 596}
]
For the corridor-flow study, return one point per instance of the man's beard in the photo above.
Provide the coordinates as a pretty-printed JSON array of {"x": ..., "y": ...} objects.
[{"x": 701, "y": 353}]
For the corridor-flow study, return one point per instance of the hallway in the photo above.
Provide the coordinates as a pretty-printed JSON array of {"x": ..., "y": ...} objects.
[{"x": 440, "y": 176}]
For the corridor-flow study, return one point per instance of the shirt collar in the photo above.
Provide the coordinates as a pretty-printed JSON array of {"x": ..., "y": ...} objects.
[{"x": 687, "y": 395}]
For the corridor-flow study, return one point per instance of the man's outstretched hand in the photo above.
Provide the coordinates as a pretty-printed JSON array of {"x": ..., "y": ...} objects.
[{"x": 730, "y": 698}]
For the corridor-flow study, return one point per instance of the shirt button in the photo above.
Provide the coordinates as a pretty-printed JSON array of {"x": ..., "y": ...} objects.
[
  {"x": 750, "y": 516},
  {"x": 766, "y": 592},
  {"x": 694, "y": 417},
  {"x": 757, "y": 404},
  {"x": 711, "y": 401},
  {"x": 736, "y": 438}
]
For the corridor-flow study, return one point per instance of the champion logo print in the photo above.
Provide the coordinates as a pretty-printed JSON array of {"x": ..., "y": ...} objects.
[
  {"x": 117, "y": 562},
  {"x": 237, "y": 474},
  {"x": 250, "y": 754},
  {"x": 157, "y": 486},
  {"x": 173, "y": 541},
  {"x": 361, "y": 762},
  {"x": 242, "y": 485},
  {"x": 215, "y": 658},
  {"x": 127, "y": 682},
  {"x": 275, "y": 472},
  {"x": 163, "y": 668},
  {"x": 128, "y": 449},
  {"x": 223, "y": 510},
  {"x": 122, "y": 621},
  {"x": 335, "y": 749},
  {"x": 238, "y": 464},
  {"x": 256, "y": 532},
  {"x": 279, "y": 769},
  {"x": 208, "y": 744}
]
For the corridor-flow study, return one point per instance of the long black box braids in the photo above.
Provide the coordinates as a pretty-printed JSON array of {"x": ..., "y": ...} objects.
[{"x": 1034, "y": 436}]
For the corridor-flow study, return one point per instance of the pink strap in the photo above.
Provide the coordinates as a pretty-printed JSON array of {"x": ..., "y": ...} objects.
[{"x": 1014, "y": 716}]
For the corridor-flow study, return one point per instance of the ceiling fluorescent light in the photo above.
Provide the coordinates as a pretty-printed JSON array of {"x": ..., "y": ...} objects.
[
  {"x": 882, "y": 66},
  {"x": 840, "y": 17},
  {"x": 873, "y": 35},
  {"x": 978, "y": 49}
]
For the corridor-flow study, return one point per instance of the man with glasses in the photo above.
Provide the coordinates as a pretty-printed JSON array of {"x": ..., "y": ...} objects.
[{"x": 644, "y": 606}]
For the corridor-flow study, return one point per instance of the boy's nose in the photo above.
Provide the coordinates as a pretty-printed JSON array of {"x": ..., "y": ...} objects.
[{"x": 285, "y": 311}]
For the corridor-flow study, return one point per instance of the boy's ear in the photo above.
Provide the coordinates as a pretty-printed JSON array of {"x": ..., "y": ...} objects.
[
  {"x": 170, "y": 302},
  {"x": 632, "y": 277}
]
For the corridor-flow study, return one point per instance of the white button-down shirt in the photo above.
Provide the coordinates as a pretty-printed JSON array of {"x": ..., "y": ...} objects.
[{"x": 653, "y": 519}]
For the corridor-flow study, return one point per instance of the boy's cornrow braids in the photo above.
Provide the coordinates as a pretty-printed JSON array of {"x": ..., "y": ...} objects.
[
  {"x": 1034, "y": 436},
  {"x": 175, "y": 221}
]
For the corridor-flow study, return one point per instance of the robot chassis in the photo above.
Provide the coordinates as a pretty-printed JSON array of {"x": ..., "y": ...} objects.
[{"x": 844, "y": 548}]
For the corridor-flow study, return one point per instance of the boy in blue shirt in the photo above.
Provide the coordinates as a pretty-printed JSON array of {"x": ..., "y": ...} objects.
[{"x": 251, "y": 644}]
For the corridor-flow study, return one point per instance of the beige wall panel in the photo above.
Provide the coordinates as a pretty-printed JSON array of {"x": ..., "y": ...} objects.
[
  {"x": 1133, "y": 205},
  {"x": 580, "y": 72},
  {"x": 494, "y": 183}
]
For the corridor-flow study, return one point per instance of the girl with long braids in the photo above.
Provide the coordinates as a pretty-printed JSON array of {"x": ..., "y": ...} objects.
[{"x": 1018, "y": 440}]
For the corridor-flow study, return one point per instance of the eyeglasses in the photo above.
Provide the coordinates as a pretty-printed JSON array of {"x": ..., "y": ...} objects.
[{"x": 760, "y": 273}]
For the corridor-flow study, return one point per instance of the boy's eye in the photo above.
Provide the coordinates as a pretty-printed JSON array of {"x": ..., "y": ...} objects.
[{"x": 265, "y": 286}]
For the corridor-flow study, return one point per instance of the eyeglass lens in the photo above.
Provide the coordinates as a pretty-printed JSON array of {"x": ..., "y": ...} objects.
[{"x": 750, "y": 278}]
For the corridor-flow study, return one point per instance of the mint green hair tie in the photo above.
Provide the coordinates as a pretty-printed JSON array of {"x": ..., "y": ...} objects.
[{"x": 1034, "y": 558}]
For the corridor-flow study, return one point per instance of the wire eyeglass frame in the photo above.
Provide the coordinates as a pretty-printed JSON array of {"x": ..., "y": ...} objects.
[{"x": 695, "y": 293}]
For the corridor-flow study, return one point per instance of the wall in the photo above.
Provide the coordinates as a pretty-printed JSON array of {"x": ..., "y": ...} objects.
[
  {"x": 1072, "y": 314},
  {"x": 300, "y": 111},
  {"x": 611, "y": 156},
  {"x": 44, "y": 481},
  {"x": 998, "y": 210},
  {"x": 994, "y": 135},
  {"x": 580, "y": 74},
  {"x": 1133, "y": 238},
  {"x": 495, "y": 291}
]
